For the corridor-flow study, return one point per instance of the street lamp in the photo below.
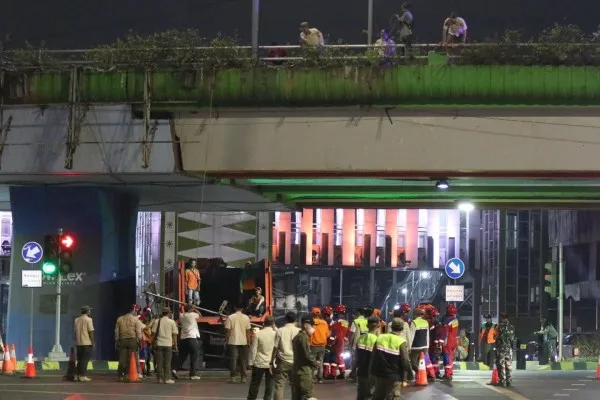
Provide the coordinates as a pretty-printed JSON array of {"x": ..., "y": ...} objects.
[
  {"x": 466, "y": 207},
  {"x": 405, "y": 293}
]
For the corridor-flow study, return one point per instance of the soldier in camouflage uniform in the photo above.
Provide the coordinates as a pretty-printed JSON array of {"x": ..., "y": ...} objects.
[{"x": 505, "y": 337}]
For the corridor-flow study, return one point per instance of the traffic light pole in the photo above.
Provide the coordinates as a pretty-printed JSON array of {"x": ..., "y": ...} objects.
[
  {"x": 561, "y": 301},
  {"x": 57, "y": 353}
]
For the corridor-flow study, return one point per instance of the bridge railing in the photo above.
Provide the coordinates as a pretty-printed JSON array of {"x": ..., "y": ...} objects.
[{"x": 469, "y": 53}]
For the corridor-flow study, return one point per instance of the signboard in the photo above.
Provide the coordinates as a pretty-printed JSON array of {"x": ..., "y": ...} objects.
[
  {"x": 32, "y": 252},
  {"x": 455, "y": 293},
  {"x": 31, "y": 278},
  {"x": 455, "y": 268}
]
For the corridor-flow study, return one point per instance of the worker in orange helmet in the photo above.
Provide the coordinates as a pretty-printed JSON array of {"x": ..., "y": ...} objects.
[
  {"x": 318, "y": 341},
  {"x": 338, "y": 334},
  {"x": 450, "y": 323},
  {"x": 382, "y": 325}
]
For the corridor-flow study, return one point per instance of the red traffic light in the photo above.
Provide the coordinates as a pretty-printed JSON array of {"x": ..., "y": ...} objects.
[{"x": 67, "y": 241}]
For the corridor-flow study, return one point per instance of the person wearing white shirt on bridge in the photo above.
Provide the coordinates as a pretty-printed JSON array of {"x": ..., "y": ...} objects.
[
  {"x": 454, "y": 30},
  {"x": 311, "y": 37}
]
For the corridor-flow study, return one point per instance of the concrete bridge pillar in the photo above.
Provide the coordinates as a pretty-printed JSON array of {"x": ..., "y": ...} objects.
[{"x": 103, "y": 223}]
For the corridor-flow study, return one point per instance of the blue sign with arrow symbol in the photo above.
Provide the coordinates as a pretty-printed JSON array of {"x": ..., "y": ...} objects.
[
  {"x": 455, "y": 268},
  {"x": 32, "y": 252}
]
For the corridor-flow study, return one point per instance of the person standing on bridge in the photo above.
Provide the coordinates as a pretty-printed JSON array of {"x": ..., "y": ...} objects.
[{"x": 310, "y": 37}]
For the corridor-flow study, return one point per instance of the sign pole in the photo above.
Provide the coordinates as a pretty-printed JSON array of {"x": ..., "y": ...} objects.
[
  {"x": 31, "y": 320},
  {"x": 561, "y": 301}
]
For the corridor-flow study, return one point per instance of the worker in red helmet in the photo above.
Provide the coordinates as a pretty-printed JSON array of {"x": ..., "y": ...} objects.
[
  {"x": 327, "y": 313},
  {"x": 450, "y": 322},
  {"x": 339, "y": 332}
]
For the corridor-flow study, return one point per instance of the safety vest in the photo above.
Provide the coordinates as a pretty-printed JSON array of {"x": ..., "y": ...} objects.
[
  {"x": 364, "y": 349},
  {"x": 386, "y": 356},
  {"x": 491, "y": 336},
  {"x": 361, "y": 324},
  {"x": 421, "y": 334}
]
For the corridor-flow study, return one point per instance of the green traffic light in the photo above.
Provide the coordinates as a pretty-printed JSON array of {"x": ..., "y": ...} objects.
[{"x": 49, "y": 268}]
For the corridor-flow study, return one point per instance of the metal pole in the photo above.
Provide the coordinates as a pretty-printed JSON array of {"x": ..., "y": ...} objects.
[
  {"x": 372, "y": 287},
  {"x": 370, "y": 23},
  {"x": 31, "y": 320},
  {"x": 561, "y": 295},
  {"x": 255, "y": 23},
  {"x": 57, "y": 348}
]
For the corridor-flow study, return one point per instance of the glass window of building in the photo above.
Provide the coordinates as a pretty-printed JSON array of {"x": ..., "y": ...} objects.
[
  {"x": 360, "y": 226},
  {"x": 380, "y": 228},
  {"x": 338, "y": 226},
  {"x": 317, "y": 226},
  {"x": 296, "y": 224}
]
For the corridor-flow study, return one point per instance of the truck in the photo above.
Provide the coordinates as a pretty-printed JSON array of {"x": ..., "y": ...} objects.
[{"x": 221, "y": 288}]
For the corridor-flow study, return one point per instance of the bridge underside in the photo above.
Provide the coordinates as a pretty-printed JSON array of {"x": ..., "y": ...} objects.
[{"x": 423, "y": 193}]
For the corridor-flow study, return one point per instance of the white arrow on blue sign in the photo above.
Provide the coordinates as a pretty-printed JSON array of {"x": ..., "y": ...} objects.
[
  {"x": 32, "y": 252},
  {"x": 455, "y": 268}
]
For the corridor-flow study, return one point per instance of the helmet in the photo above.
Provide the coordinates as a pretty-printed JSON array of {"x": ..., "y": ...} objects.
[
  {"x": 327, "y": 310},
  {"x": 376, "y": 312},
  {"x": 340, "y": 309},
  {"x": 451, "y": 309},
  {"x": 405, "y": 308},
  {"x": 368, "y": 310},
  {"x": 316, "y": 311}
]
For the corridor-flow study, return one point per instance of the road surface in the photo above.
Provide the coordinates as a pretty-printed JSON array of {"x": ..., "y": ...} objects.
[{"x": 468, "y": 385}]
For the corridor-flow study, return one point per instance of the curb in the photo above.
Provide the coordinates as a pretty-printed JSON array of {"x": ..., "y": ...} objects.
[{"x": 571, "y": 366}]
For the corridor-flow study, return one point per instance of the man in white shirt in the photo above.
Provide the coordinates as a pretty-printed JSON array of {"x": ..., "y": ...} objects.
[
  {"x": 237, "y": 331},
  {"x": 261, "y": 353},
  {"x": 189, "y": 336},
  {"x": 283, "y": 354},
  {"x": 454, "y": 30},
  {"x": 310, "y": 37},
  {"x": 84, "y": 339},
  {"x": 165, "y": 341}
]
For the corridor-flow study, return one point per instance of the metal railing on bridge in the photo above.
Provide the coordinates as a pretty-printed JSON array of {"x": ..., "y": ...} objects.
[{"x": 282, "y": 54}]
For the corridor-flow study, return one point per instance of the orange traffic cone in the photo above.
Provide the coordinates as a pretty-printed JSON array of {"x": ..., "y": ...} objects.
[
  {"x": 30, "y": 367},
  {"x": 133, "y": 375},
  {"x": 13, "y": 357},
  {"x": 598, "y": 369},
  {"x": 494, "y": 380},
  {"x": 70, "y": 375},
  {"x": 422, "y": 372},
  {"x": 7, "y": 367}
]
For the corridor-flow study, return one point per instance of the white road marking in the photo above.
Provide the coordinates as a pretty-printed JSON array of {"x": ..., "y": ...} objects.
[
  {"x": 561, "y": 395},
  {"x": 577, "y": 384},
  {"x": 508, "y": 393},
  {"x": 584, "y": 380},
  {"x": 570, "y": 389},
  {"x": 121, "y": 395}
]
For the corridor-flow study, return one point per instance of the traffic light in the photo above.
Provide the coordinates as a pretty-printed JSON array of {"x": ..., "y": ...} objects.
[
  {"x": 551, "y": 278},
  {"x": 67, "y": 244},
  {"x": 50, "y": 260}
]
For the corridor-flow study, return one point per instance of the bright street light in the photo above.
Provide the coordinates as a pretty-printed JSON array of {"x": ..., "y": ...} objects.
[
  {"x": 466, "y": 207},
  {"x": 404, "y": 291},
  {"x": 424, "y": 275}
]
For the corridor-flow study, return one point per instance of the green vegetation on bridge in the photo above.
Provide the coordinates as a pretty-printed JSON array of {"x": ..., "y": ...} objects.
[
  {"x": 422, "y": 84},
  {"x": 177, "y": 69}
]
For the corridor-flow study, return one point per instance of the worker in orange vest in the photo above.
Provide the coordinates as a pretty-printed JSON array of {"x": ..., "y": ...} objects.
[
  {"x": 487, "y": 340},
  {"x": 318, "y": 340}
]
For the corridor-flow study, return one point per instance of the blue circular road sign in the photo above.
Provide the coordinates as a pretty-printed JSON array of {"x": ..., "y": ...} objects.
[
  {"x": 455, "y": 268},
  {"x": 32, "y": 252}
]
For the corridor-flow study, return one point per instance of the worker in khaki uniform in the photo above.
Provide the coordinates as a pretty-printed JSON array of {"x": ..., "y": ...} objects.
[
  {"x": 165, "y": 342},
  {"x": 304, "y": 362},
  {"x": 128, "y": 333},
  {"x": 84, "y": 339},
  {"x": 389, "y": 361}
]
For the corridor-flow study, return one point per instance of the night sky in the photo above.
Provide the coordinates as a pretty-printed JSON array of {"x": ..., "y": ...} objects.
[{"x": 78, "y": 24}]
